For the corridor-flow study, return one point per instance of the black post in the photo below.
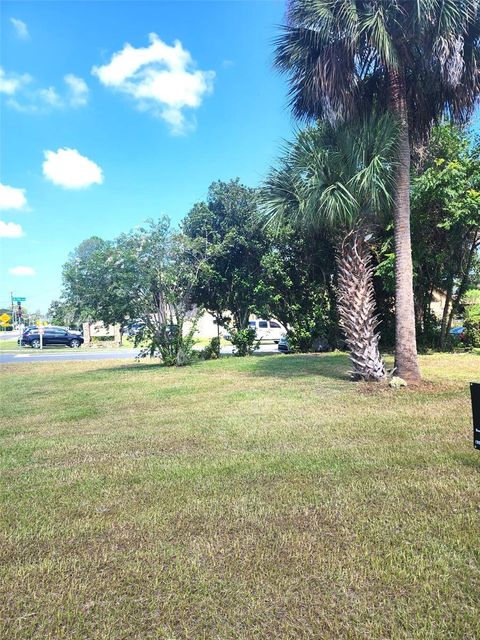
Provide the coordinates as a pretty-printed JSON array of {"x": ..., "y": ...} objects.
[{"x": 475, "y": 395}]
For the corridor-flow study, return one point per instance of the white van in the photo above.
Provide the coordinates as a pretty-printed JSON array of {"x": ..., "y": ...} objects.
[{"x": 268, "y": 329}]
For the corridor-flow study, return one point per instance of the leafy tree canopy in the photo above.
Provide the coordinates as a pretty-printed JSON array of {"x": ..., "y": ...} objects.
[{"x": 225, "y": 231}]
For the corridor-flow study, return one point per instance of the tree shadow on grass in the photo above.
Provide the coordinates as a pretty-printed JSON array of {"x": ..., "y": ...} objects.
[
  {"x": 328, "y": 365},
  {"x": 334, "y": 366},
  {"x": 149, "y": 366}
]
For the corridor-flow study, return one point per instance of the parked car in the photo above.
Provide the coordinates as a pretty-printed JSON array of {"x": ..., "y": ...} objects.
[
  {"x": 264, "y": 330},
  {"x": 133, "y": 328},
  {"x": 51, "y": 335}
]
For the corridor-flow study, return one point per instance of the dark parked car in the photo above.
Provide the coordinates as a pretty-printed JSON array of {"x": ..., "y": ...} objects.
[{"x": 51, "y": 335}]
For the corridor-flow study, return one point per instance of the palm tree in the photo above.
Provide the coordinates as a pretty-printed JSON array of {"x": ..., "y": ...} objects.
[
  {"x": 338, "y": 180},
  {"x": 418, "y": 59}
]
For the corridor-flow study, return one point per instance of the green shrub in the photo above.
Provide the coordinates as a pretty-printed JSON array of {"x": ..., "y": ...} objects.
[
  {"x": 303, "y": 340},
  {"x": 167, "y": 342},
  {"x": 244, "y": 342},
  {"x": 472, "y": 318},
  {"x": 212, "y": 350},
  {"x": 472, "y": 333}
]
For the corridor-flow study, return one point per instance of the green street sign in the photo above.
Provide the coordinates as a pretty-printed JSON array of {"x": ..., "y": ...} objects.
[{"x": 16, "y": 299}]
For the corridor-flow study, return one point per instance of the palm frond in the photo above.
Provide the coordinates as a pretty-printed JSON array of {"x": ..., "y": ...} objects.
[
  {"x": 338, "y": 56},
  {"x": 330, "y": 177}
]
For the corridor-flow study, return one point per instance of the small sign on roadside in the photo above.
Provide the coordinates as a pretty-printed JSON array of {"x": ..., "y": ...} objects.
[
  {"x": 41, "y": 331},
  {"x": 475, "y": 395}
]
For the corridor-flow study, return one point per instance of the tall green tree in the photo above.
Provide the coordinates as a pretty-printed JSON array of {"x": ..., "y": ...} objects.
[
  {"x": 85, "y": 279},
  {"x": 61, "y": 313},
  {"x": 225, "y": 232},
  {"x": 339, "y": 179},
  {"x": 143, "y": 274},
  {"x": 446, "y": 221},
  {"x": 297, "y": 286},
  {"x": 418, "y": 59}
]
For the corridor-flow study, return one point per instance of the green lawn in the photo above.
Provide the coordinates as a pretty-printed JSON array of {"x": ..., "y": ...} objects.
[
  {"x": 9, "y": 345},
  {"x": 266, "y": 497}
]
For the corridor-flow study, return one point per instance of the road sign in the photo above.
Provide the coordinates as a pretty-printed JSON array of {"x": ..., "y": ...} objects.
[
  {"x": 4, "y": 318},
  {"x": 475, "y": 395},
  {"x": 41, "y": 330},
  {"x": 17, "y": 299}
]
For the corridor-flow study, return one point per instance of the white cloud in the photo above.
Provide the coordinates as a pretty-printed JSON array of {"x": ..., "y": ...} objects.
[
  {"x": 10, "y": 230},
  {"x": 11, "y": 197},
  {"x": 11, "y": 83},
  {"x": 22, "y": 271},
  {"x": 78, "y": 90},
  {"x": 68, "y": 168},
  {"x": 21, "y": 28},
  {"x": 32, "y": 99},
  {"x": 161, "y": 78},
  {"x": 50, "y": 97}
]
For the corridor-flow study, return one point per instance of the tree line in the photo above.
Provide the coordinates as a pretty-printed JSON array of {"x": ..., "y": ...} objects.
[
  {"x": 373, "y": 79},
  {"x": 312, "y": 247}
]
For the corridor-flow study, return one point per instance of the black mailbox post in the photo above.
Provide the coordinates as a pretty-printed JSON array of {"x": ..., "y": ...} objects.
[{"x": 475, "y": 394}]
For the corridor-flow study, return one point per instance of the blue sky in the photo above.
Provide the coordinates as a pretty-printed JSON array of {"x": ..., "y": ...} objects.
[{"x": 100, "y": 142}]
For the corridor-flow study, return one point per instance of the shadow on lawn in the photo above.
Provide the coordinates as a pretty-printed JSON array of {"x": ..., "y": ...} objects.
[{"x": 328, "y": 365}]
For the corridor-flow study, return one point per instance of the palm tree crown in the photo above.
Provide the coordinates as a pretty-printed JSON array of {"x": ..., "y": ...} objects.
[
  {"x": 340, "y": 56},
  {"x": 334, "y": 177}
]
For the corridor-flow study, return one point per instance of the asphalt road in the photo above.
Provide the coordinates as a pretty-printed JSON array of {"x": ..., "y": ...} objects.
[{"x": 54, "y": 354}]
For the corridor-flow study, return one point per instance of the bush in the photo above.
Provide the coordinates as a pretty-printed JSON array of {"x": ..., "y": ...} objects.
[
  {"x": 472, "y": 318},
  {"x": 301, "y": 340},
  {"x": 212, "y": 350},
  {"x": 472, "y": 333},
  {"x": 428, "y": 336},
  {"x": 168, "y": 343},
  {"x": 244, "y": 342}
]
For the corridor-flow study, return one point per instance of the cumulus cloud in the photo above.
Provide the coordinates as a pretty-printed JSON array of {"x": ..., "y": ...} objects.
[
  {"x": 161, "y": 78},
  {"x": 25, "y": 97},
  {"x": 68, "y": 168},
  {"x": 11, "y": 197},
  {"x": 12, "y": 82},
  {"x": 22, "y": 271},
  {"x": 10, "y": 230},
  {"x": 21, "y": 28},
  {"x": 77, "y": 90}
]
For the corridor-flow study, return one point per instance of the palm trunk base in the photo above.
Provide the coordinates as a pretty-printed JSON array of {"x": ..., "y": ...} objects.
[{"x": 356, "y": 307}]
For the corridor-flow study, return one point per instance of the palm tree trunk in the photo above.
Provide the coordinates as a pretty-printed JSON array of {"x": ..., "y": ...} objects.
[
  {"x": 356, "y": 307},
  {"x": 406, "y": 363}
]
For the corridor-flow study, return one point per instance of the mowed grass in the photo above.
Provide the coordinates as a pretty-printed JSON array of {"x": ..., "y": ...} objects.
[
  {"x": 265, "y": 497},
  {"x": 9, "y": 345}
]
